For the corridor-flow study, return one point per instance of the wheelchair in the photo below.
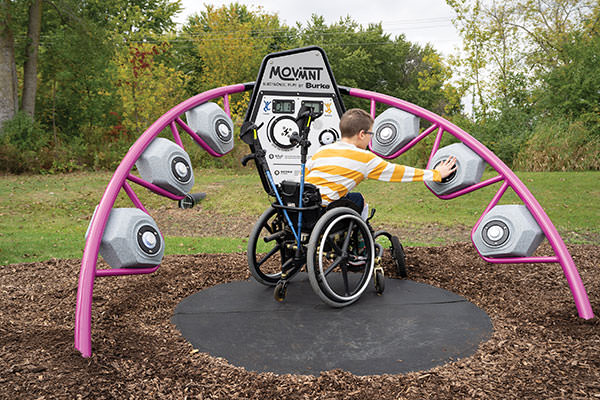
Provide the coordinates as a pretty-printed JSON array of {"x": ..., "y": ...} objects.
[{"x": 335, "y": 246}]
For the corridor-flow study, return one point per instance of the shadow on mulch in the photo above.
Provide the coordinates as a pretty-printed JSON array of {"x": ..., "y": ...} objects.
[{"x": 539, "y": 349}]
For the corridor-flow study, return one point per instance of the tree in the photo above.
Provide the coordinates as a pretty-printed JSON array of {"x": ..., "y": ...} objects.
[
  {"x": 573, "y": 89},
  {"x": 145, "y": 86},
  {"x": 370, "y": 59},
  {"x": 31, "y": 61},
  {"x": 511, "y": 44},
  {"x": 230, "y": 43},
  {"x": 525, "y": 62},
  {"x": 8, "y": 71}
]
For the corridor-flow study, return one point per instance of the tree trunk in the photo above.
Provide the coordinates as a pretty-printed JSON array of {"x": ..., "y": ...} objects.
[
  {"x": 9, "y": 96},
  {"x": 54, "y": 112},
  {"x": 31, "y": 61}
]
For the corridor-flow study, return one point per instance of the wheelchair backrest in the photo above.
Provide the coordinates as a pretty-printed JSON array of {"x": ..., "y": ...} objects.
[
  {"x": 290, "y": 192},
  {"x": 286, "y": 81}
]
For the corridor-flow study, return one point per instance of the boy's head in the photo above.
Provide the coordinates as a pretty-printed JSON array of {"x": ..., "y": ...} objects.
[{"x": 355, "y": 120}]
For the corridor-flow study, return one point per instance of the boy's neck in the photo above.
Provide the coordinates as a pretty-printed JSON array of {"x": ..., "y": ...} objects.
[{"x": 351, "y": 140}]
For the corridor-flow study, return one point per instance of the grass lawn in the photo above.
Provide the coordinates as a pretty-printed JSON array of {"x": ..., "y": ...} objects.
[{"x": 46, "y": 216}]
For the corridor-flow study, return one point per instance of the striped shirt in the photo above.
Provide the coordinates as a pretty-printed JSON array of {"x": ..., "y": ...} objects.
[{"x": 338, "y": 167}]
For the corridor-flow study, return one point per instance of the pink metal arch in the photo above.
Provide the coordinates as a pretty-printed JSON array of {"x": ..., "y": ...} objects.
[
  {"x": 119, "y": 180},
  {"x": 122, "y": 177},
  {"x": 509, "y": 179}
]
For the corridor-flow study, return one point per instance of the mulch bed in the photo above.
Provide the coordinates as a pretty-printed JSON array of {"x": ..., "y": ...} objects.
[{"x": 539, "y": 349}]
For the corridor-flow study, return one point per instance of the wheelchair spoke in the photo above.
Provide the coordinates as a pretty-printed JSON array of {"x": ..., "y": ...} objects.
[
  {"x": 345, "y": 276},
  {"x": 335, "y": 247},
  {"x": 347, "y": 238},
  {"x": 268, "y": 255},
  {"x": 268, "y": 228},
  {"x": 332, "y": 266}
]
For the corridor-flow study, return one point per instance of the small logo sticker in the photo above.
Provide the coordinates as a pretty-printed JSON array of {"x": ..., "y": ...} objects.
[{"x": 267, "y": 106}]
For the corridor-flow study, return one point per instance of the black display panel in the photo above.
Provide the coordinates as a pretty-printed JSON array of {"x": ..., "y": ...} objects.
[
  {"x": 317, "y": 106},
  {"x": 283, "y": 106}
]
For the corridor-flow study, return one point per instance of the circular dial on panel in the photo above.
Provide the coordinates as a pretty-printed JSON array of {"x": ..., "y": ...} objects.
[
  {"x": 181, "y": 169},
  {"x": 148, "y": 239},
  {"x": 328, "y": 136},
  {"x": 495, "y": 233},
  {"x": 386, "y": 133},
  {"x": 223, "y": 130},
  {"x": 281, "y": 130}
]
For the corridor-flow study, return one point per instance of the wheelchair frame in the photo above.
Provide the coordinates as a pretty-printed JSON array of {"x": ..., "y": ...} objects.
[{"x": 337, "y": 271}]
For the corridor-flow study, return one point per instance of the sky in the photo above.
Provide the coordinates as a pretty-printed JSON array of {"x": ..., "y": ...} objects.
[{"x": 421, "y": 21}]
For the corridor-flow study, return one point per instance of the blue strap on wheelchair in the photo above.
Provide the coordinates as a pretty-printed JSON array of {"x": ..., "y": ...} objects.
[
  {"x": 300, "y": 202},
  {"x": 287, "y": 217},
  {"x": 302, "y": 168}
]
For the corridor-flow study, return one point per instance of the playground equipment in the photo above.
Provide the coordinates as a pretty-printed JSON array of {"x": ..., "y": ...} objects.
[{"x": 294, "y": 87}]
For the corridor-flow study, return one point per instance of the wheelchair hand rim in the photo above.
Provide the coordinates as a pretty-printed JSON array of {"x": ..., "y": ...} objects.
[{"x": 323, "y": 283}]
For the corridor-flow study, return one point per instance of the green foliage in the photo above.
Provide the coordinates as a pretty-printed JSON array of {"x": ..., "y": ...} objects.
[
  {"x": 23, "y": 145},
  {"x": 24, "y": 133},
  {"x": 573, "y": 88},
  {"x": 532, "y": 69},
  {"x": 229, "y": 44},
  {"x": 511, "y": 44},
  {"x": 75, "y": 79},
  {"x": 131, "y": 19},
  {"x": 561, "y": 145},
  {"x": 77, "y": 96},
  {"x": 109, "y": 69},
  {"x": 146, "y": 87},
  {"x": 504, "y": 132},
  {"x": 368, "y": 58}
]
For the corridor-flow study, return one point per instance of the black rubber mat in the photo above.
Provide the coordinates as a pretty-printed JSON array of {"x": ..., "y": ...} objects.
[{"x": 411, "y": 327}]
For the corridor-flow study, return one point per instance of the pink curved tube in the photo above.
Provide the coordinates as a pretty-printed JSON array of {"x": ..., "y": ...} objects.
[
  {"x": 560, "y": 249},
  {"x": 83, "y": 311},
  {"x": 90, "y": 256}
]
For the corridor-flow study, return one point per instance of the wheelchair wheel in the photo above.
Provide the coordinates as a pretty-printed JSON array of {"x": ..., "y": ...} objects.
[
  {"x": 379, "y": 282},
  {"x": 399, "y": 257},
  {"x": 266, "y": 249},
  {"x": 340, "y": 257}
]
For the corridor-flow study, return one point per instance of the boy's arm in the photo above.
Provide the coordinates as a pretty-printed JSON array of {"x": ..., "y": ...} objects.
[{"x": 388, "y": 172}]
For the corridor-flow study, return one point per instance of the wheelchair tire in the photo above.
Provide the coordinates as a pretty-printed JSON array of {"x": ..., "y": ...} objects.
[
  {"x": 266, "y": 267},
  {"x": 339, "y": 242},
  {"x": 379, "y": 282},
  {"x": 399, "y": 257}
]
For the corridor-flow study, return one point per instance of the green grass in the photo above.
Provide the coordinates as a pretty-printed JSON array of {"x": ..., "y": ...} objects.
[{"x": 45, "y": 216}]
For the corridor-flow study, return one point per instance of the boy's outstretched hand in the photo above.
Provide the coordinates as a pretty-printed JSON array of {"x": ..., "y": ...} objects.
[{"x": 447, "y": 166}]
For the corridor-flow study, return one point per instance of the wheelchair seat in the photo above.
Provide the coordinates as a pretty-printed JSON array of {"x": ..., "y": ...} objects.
[{"x": 344, "y": 203}]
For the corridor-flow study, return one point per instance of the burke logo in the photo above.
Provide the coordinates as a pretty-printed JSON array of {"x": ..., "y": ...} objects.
[{"x": 296, "y": 73}]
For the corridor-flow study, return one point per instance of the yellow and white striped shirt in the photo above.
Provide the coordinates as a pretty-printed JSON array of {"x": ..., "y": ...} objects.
[{"x": 338, "y": 167}]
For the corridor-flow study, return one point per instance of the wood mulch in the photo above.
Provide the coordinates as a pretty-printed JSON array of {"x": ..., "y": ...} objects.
[{"x": 539, "y": 348}]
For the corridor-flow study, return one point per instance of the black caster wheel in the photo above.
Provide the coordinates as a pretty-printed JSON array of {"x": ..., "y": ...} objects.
[
  {"x": 280, "y": 291},
  {"x": 379, "y": 282},
  {"x": 399, "y": 257}
]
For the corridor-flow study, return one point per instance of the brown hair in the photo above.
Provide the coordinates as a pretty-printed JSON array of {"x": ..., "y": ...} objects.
[{"x": 355, "y": 120}]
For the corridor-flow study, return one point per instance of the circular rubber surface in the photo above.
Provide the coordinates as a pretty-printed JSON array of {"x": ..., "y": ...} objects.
[{"x": 413, "y": 326}]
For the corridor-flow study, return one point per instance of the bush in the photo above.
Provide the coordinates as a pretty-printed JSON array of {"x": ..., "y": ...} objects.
[
  {"x": 561, "y": 145},
  {"x": 23, "y": 145}
]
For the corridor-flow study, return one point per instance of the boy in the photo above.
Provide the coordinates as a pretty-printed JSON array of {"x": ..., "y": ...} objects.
[{"x": 338, "y": 167}]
